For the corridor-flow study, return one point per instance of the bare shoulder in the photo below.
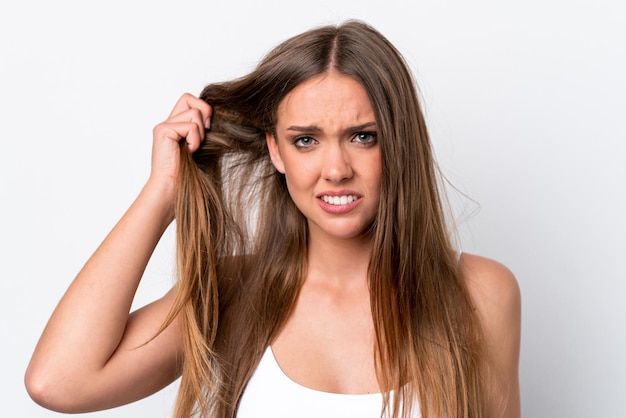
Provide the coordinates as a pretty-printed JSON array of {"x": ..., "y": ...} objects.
[
  {"x": 491, "y": 285},
  {"x": 496, "y": 295}
]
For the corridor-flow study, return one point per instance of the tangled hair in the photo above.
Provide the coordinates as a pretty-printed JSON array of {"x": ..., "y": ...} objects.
[{"x": 241, "y": 241}]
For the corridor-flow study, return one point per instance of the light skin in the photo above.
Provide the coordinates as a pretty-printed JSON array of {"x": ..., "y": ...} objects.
[{"x": 326, "y": 145}]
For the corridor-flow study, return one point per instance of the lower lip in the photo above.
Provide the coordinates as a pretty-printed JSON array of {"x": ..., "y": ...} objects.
[{"x": 339, "y": 209}]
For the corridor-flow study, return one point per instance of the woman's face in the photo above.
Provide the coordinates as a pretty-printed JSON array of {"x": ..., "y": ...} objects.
[{"x": 326, "y": 146}]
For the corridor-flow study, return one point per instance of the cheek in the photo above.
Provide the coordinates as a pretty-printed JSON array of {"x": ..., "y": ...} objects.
[
  {"x": 301, "y": 183},
  {"x": 296, "y": 178},
  {"x": 298, "y": 192},
  {"x": 375, "y": 170},
  {"x": 299, "y": 170}
]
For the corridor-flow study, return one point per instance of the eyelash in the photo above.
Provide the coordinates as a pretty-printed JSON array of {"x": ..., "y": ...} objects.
[
  {"x": 297, "y": 141},
  {"x": 372, "y": 139}
]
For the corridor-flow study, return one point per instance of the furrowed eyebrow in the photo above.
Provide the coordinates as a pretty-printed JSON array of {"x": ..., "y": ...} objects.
[
  {"x": 314, "y": 128},
  {"x": 304, "y": 128},
  {"x": 360, "y": 127}
]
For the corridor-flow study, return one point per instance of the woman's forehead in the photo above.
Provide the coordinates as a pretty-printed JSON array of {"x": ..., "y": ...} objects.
[{"x": 326, "y": 99}]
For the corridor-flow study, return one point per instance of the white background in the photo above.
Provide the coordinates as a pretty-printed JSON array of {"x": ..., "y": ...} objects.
[{"x": 525, "y": 102}]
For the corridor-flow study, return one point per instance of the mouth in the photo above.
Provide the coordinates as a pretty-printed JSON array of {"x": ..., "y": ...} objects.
[{"x": 339, "y": 200}]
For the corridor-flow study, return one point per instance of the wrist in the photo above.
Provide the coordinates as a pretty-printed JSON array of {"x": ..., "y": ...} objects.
[{"x": 162, "y": 197}]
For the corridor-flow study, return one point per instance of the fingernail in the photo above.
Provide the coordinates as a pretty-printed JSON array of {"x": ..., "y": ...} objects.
[{"x": 207, "y": 123}]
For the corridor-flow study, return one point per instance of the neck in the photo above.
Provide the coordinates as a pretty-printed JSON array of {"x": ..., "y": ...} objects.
[{"x": 337, "y": 262}]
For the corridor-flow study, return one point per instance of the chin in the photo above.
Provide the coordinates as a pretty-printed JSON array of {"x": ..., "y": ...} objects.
[{"x": 347, "y": 232}]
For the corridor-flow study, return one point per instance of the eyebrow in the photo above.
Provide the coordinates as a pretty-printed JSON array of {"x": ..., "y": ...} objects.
[{"x": 313, "y": 128}]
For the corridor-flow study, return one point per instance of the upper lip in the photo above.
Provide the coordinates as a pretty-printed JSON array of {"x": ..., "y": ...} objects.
[{"x": 338, "y": 193}]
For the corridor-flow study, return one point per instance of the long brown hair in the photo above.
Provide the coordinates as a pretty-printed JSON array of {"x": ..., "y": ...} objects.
[{"x": 241, "y": 242}]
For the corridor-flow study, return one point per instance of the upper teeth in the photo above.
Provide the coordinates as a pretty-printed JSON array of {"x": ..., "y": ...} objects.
[{"x": 339, "y": 200}]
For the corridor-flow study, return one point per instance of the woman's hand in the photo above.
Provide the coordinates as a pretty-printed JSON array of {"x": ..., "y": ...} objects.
[{"x": 187, "y": 121}]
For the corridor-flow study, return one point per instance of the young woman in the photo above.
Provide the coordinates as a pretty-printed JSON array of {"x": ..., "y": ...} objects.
[{"x": 316, "y": 273}]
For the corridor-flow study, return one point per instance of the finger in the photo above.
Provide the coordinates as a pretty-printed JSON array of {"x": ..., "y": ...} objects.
[
  {"x": 176, "y": 131},
  {"x": 189, "y": 101},
  {"x": 193, "y": 116}
]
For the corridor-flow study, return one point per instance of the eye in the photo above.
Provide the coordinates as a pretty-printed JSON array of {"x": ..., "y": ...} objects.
[
  {"x": 303, "y": 141},
  {"x": 366, "y": 138}
]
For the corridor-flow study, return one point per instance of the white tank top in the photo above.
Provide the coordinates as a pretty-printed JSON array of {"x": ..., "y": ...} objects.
[{"x": 270, "y": 393}]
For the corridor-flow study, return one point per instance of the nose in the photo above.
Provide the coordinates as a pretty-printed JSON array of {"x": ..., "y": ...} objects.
[{"x": 337, "y": 165}]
